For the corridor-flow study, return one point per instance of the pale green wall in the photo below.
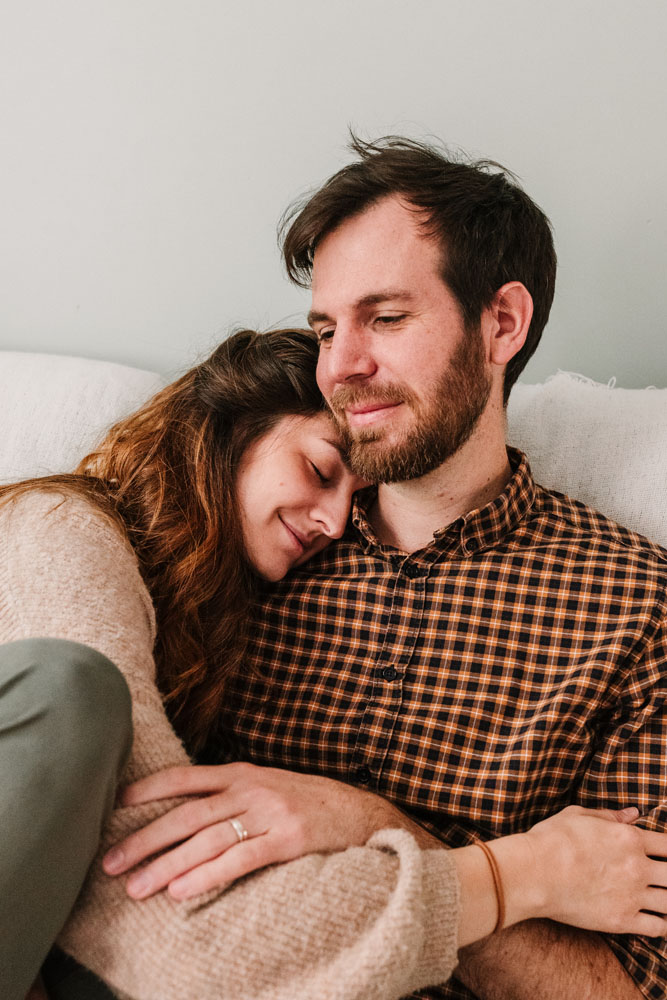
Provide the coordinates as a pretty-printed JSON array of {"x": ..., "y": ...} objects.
[{"x": 149, "y": 146}]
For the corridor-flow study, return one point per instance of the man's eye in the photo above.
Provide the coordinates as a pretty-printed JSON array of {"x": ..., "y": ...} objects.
[
  {"x": 388, "y": 320},
  {"x": 324, "y": 335}
]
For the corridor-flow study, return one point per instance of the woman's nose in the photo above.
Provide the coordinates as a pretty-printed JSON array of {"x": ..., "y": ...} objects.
[{"x": 332, "y": 512}]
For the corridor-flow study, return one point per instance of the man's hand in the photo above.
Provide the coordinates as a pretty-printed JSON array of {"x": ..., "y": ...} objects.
[{"x": 286, "y": 815}]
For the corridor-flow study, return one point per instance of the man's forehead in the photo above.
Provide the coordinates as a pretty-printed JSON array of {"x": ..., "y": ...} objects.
[{"x": 391, "y": 216}]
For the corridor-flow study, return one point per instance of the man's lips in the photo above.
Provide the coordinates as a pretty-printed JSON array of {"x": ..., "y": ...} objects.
[{"x": 367, "y": 413}]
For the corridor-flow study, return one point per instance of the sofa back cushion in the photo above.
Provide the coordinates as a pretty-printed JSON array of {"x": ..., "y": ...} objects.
[
  {"x": 605, "y": 446},
  {"x": 54, "y": 409}
]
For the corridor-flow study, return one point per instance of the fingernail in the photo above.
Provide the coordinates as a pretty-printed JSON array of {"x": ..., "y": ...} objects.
[
  {"x": 628, "y": 815},
  {"x": 179, "y": 889},
  {"x": 139, "y": 885},
  {"x": 113, "y": 861}
]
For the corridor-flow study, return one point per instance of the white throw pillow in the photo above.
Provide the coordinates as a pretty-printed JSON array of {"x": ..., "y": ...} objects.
[
  {"x": 54, "y": 409},
  {"x": 605, "y": 446}
]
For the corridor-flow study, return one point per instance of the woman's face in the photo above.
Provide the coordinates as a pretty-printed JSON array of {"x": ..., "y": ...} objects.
[{"x": 294, "y": 492}]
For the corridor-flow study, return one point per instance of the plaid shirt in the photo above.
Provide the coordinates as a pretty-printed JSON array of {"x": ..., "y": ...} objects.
[{"x": 516, "y": 664}]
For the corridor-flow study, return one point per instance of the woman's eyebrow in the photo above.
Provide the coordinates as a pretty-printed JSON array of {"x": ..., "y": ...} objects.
[{"x": 335, "y": 444}]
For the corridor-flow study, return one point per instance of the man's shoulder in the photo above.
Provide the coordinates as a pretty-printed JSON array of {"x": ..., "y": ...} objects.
[
  {"x": 591, "y": 531},
  {"x": 343, "y": 557}
]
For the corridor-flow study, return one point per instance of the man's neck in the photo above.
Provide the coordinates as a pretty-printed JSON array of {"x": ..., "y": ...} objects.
[{"x": 406, "y": 515}]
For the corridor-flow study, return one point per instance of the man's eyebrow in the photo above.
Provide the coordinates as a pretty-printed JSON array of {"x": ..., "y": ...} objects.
[
  {"x": 316, "y": 317},
  {"x": 385, "y": 296},
  {"x": 376, "y": 298}
]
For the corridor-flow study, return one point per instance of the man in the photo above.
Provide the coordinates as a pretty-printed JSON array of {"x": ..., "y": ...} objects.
[{"x": 475, "y": 648}]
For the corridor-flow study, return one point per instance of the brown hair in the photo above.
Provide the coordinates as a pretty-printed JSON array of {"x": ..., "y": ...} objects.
[
  {"x": 489, "y": 230},
  {"x": 166, "y": 474}
]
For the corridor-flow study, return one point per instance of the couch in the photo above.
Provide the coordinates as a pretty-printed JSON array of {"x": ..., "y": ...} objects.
[{"x": 604, "y": 445}]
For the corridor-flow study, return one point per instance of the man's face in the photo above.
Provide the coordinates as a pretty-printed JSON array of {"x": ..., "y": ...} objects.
[{"x": 407, "y": 382}]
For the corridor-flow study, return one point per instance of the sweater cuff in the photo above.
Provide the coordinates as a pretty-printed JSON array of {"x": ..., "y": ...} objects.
[{"x": 441, "y": 901}]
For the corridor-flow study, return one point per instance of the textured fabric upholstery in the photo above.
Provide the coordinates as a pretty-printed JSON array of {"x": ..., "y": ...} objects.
[
  {"x": 602, "y": 445},
  {"x": 53, "y": 409}
]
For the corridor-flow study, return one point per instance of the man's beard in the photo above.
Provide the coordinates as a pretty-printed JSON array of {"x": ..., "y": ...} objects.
[{"x": 441, "y": 425}]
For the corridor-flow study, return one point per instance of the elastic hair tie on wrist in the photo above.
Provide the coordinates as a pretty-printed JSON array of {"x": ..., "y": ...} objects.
[{"x": 497, "y": 884}]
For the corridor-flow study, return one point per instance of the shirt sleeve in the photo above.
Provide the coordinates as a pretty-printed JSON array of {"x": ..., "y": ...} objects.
[
  {"x": 629, "y": 769},
  {"x": 367, "y": 923}
]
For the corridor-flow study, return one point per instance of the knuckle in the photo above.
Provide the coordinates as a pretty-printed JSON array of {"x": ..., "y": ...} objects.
[
  {"x": 243, "y": 770},
  {"x": 215, "y": 839},
  {"x": 177, "y": 775},
  {"x": 632, "y": 839},
  {"x": 196, "y": 813},
  {"x": 209, "y": 808},
  {"x": 271, "y": 803}
]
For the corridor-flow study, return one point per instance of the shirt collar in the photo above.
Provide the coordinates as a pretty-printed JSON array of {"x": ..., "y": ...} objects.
[{"x": 477, "y": 530}]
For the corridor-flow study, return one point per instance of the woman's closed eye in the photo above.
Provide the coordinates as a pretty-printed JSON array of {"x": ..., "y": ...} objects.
[{"x": 320, "y": 475}]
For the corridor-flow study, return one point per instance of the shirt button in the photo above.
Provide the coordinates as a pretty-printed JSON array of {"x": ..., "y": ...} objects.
[
  {"x": 390, "y": 674},
  {"x": 412, "y": 571},
  {"x": 363, "y": 775}
]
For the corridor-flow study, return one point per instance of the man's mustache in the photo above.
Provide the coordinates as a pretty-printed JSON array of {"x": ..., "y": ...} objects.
[{"x": 347, "y": 396}]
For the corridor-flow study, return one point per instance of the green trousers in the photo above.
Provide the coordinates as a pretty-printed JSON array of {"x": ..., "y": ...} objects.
[{"x": 65, "y": 735}]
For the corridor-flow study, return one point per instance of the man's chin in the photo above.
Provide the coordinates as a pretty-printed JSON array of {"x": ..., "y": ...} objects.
[
  {"x": 385, "y": 462},
  {"x": 374, "y": 461}
]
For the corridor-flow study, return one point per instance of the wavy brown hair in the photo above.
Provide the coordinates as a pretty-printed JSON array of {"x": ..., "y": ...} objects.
[{"x": 166, "y": 474}]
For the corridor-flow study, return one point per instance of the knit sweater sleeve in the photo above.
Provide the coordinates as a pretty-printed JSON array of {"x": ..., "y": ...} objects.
[{"x": 371, "y": 922}]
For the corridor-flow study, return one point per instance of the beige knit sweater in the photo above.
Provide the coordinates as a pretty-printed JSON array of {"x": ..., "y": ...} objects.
[{"x": 366, "y": 923}]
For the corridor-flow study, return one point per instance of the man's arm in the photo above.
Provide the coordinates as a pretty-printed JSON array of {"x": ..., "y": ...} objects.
[
  {"x": 542, "y": 960},
  {"x": 554, "y": 962}
]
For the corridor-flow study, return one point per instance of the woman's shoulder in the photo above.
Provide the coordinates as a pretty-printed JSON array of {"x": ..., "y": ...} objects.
[
  {"x": 49, "y": 527},
  {"x": 43, "y": 509},
  {"x": 59, "y": 544}
]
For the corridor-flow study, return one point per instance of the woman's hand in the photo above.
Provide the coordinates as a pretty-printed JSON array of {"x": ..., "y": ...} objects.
[
  {"x": 589, "y": 868},
  {"x": 286, "y": 814}
]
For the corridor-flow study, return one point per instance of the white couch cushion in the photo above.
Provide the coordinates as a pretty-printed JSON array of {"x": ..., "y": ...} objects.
[
  {"x": 54, "y": 409},
  {"x": 605, "y": 446}
]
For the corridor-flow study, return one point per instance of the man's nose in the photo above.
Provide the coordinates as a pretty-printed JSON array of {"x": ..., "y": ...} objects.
[{"x": 346, "y": 357}]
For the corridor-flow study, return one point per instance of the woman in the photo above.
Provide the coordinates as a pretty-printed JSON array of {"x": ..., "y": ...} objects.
[{"x": 148, "y": 553}]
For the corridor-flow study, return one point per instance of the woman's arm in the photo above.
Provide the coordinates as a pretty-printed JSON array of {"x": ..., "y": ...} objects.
[
  {"x": 589, "y": 868},
  {"x": 371, "y": 922}
]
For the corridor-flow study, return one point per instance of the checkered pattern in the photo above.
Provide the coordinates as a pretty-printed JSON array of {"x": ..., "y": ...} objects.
[{"x": 516, "y": 664}]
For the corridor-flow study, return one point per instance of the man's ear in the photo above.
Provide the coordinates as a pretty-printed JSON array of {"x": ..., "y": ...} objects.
[{"x": 509, "y": 313}]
